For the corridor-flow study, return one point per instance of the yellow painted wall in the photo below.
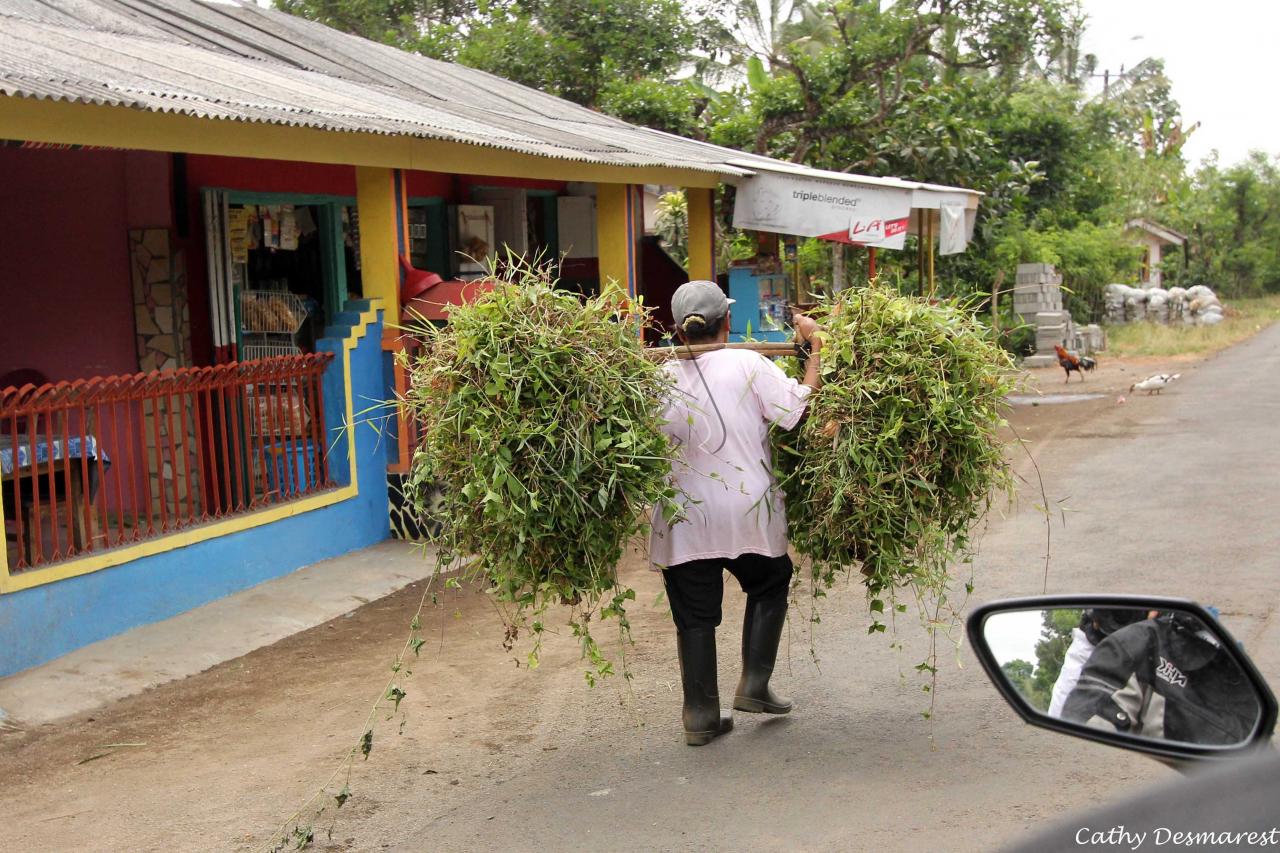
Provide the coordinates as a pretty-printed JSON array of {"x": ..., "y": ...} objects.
[
  {"x": 702, "y": 257},
  {"x": 379, "y": 247},
  {"x": 616, "y": 235},
  {"x": 122, "y": 127}
]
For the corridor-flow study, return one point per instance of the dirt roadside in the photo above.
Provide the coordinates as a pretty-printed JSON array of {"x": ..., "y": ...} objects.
[
  {"x": 1112, "y": 375},
  {"x": 225, "y": 755},
  {"x": 1046, "y": 404}
]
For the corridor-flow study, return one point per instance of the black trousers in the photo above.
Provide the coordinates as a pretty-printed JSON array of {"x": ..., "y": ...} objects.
[{"x": 696, "y": 588}]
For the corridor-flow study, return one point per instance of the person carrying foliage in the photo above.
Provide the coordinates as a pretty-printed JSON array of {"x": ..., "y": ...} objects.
[{"x": 722, "y": 408}]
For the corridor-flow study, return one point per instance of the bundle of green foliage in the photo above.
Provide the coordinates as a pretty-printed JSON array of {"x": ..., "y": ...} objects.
[
  {"x": 899, "y": 453},
  {"x": 540, "y": 425}
]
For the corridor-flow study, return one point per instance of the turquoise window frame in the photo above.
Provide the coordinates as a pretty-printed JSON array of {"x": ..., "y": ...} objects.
[{"x": 333, "y": 262}]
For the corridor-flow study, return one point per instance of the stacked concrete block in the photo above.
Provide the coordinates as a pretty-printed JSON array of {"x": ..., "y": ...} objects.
[
  {"x": 1037, "y": 289},
  {"x": 1088, "y": 340},
  {"x": 1037, "y": 300},
  {"x": 1053, "y": 328}
]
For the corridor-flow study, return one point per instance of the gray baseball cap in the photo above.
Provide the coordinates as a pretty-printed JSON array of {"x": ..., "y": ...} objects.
[{"x": 699, "y": 297}]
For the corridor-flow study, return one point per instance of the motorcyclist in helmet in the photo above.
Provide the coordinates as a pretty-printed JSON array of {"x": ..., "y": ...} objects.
[
  {"x": 1166, "y": 677},
  {"x": 1096, "y": 624}
]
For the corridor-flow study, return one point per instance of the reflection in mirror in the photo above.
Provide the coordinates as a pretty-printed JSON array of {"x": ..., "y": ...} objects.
[{"x": 1146, "y": 673}]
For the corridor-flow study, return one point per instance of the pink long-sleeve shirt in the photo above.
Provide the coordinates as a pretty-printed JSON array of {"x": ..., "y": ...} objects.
[{"x": 732, "y": 503}]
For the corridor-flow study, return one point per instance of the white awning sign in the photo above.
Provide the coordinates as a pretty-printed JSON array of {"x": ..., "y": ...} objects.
[{"x": 787, "y": 204}]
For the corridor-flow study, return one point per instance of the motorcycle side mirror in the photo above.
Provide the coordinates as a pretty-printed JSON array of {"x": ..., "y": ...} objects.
[{"x": 1155, "y": 675}]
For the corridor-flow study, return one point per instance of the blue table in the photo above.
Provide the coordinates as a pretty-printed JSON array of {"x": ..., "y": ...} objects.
[
  {"x": 29, "y": 462},
  {"x": 46, "y": 450}
]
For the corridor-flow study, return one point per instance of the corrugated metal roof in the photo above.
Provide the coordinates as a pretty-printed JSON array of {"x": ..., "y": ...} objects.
[
  {"x": 1164, "y": 232},
  {"x": 241, "y": 62},
  {"x": 258, "y": 65}
]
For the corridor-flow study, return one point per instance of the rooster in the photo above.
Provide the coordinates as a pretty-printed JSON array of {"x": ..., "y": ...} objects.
[
  {"x": 1071, "y": 362},
  {"x": 1154, "y": 384}
]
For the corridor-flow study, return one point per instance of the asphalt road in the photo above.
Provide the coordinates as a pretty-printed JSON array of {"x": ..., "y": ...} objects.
[{"x": 1172, "y": 495}]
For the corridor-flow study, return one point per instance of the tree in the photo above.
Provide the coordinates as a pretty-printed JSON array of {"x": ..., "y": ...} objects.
[
  {"x": 403, "y": 23},
  {"x": 572, "y": 48},
  {"x": 1034, "y": 682},
  {"x": 569, "y": 48},
  {"x": 1088, "y": 256},
  {"x": 672, "y": 225},
  {"x": 841, "y": 71},
  {"x": 1051, "y": 650},
  {"x": 1019, "y": 673},
  {"x": 987, "y": 94},
  {"x": 1232, "y": 216},
  {"x": 925, "y": 91}
]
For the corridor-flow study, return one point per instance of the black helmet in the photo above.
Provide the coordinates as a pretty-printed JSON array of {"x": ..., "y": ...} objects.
[{"x": 1098, "y": 623}]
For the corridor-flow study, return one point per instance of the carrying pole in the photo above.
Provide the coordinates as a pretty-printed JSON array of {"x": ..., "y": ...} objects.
[
  {"x": 769, "y": 348},
  {"x": 920, "y": 273},
  {"x": 933, "y": 287}
]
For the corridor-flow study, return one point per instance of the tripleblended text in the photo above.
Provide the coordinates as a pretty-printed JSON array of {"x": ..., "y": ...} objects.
[{"x": 805, "y": 195}]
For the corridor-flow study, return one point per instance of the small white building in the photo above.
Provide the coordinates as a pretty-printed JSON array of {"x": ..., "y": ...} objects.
[{"x": 1153, "y": 237}]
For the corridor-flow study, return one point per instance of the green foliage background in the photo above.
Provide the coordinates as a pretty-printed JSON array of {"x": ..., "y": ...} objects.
[{"x": 1035, "y": 680}]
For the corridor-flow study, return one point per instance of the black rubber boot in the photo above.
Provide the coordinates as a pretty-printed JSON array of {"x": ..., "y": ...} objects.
[
  {"x": 761, "y": 632},
  {"x": 703, "y": 718}
]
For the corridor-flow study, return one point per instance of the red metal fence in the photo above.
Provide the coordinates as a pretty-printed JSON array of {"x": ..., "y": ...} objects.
[{"x": 104, "y": 462}]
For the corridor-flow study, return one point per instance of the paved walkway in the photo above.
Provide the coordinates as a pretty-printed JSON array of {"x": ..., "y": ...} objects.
[{"x": 192, "y": 642}]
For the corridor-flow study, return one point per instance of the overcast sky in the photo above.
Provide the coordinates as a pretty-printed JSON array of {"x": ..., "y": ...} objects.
[{"x": 1221, "y": 57}]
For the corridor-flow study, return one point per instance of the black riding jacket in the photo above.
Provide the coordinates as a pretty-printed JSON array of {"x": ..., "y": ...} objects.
[{"x": 1158, "y": 678}]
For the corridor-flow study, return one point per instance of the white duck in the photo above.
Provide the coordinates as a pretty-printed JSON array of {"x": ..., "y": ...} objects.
[{"x": 1154, "y": 383}]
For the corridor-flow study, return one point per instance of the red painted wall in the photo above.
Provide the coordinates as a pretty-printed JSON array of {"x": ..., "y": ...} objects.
[
  {"x": 280, "y": 176},
  {"x": 66, "y": 298},
  {"x": 432, "y": 185},
  {"x": 454, "y": 188},
  {"x": 66, "y": 301},
  {"x": 64, "y": 217},
  {"x": 268, "y": 176}
]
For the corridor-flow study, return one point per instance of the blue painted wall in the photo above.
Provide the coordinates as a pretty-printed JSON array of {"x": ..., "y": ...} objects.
[
  {"x": 42, "y": 623},
  {"x": 744, "y": 289}
]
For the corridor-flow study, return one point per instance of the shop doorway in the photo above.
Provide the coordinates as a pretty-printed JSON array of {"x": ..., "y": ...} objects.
[{"x": 281, "y": 268}]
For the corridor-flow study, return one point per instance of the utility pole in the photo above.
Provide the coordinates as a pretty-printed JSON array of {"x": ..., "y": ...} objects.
[{"x": 1106, "y": 80}]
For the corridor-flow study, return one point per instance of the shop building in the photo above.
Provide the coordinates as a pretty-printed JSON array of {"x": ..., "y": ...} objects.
[{"x": 210, "y": 213}]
